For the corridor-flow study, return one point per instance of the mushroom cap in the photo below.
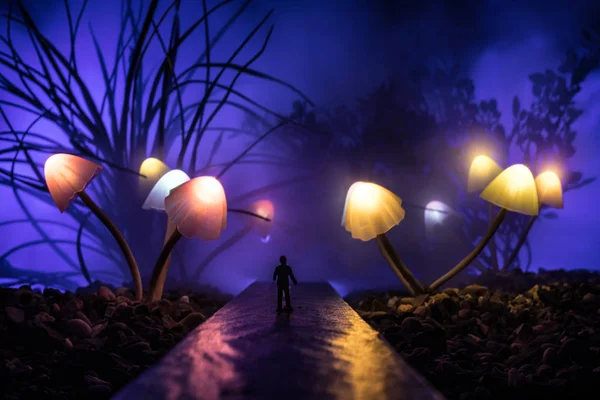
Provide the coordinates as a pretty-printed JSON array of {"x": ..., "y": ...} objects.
[
  {"x": 66, "y": 175},
  {"x": 483, "y": 170},
  {"x": 152, "y": 169},
  {"x": 371, "y": 210},
  {"x": 549, "y": 189},
  {"x": 264, "y": 208},
  {"x": 198, "y": 208},
  {"x": 168, "y": 182},
  {"x": 514, "y": 189}
]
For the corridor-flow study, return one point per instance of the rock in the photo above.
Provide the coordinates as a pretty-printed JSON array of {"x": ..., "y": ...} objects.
[
  {"x": 423, "y": 311},
  {"x": 392, "y": 302},
  {"x": 464, "y": 313},
  {"x": 79, "y": 328},
  {"x": 405, "y": 308},
  {"x": 515, "y": 378},
  {"x": 45, "y": 317},
  {"x": 121, "y": 291},
  {"x": 572, "y": 350},
  {"x": 14, "y": 315},
  {"x": 545, "y": 372},
  {"x": 142, "y": 309},
  {"x": 73, "y": 306},
  {"x": 589, "y": 298},
  {"x": 193, "y": 320},
  {"x": 523, "y": 332},
  {"x": 407, "y": 300},
  {"x": 83, "y": 317},
  {"x": 475, "y": 290},
  {"x": 68, "y": 343},
  {"x": 550, "y": 356},
  {"x": 411, "y": 325},
  {"x": 106, "y": 294},
  {"x": 377, "y": 305}
]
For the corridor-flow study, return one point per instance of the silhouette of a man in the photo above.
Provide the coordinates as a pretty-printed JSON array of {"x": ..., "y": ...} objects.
[{"x": 281, "y": 274}]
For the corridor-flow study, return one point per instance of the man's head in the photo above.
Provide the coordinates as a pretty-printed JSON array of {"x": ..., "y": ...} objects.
[{"x": 282, "y": 260}]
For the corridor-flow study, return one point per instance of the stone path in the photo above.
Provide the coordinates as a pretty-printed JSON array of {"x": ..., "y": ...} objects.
[{"x": 323, "y": 350}]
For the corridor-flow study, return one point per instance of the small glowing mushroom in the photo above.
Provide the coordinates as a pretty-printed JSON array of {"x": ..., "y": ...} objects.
[
  {"x": 483, "y": 170},
  {"x": 550, "y": 193},
  {"x": 198, "y": 208},
  {"x": 160, "y": 191},
  {"x": 369, "y": 212},
  {"x": 156, "y": 201},
  {"x": 549, "y": 189},
  {"x": 152, "y": 169},
  {"x": 513, "y": 190},
  {"x": 67, "y": 177}
]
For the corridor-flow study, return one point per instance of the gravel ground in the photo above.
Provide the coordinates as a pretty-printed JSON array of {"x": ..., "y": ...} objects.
[
  {"x": 57, "y": 345},
  {"x": 479, "y": 343}
]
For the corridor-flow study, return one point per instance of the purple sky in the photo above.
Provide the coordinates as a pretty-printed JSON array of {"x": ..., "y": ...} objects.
[{"x": 335, "y": 51}]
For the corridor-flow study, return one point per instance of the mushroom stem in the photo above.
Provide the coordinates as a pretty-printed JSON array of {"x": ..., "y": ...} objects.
[
  {"x": 153, "y": 294},
  {"x": 493, "y": 247},
  {"x": 171, "y": 227},
  {"x": 398, "y": 266},
  {"x": 133, "y": 267},
  {"x": 520, "y": 243},
  {"x": 474, "y": 253}
]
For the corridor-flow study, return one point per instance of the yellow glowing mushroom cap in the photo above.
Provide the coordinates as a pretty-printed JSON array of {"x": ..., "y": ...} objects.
[
  {"x": 371, "y": 210},
  {"x": 514, "y": 189},
  {"x": 152, "y": 169},
  {"x": 66, "y": 175},
  {"x": 549, "y": 189},
  {"x": 198, "y": 208},
  {"x": 483, "y": 170}
]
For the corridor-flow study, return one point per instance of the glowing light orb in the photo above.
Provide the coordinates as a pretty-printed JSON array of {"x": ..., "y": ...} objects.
[
  {"x": 370, "y": 210},
  {"x": 483, "y": 170},
  {"x": 66, "y": 175},
  {"x": 264, "y": 208},
  {"x": 265, "y": 239},
  {"x": 514, "y": 189},
  {"x": 198, "y": 208},
  {"x": 436, "y": 212},
  {"x": 168, "y": 182},
  {"x": 549, "y": 189}
]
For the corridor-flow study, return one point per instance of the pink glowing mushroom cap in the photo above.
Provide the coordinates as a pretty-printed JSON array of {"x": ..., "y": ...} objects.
[
  {"x": 66, "y": 175},
  {"x": 198, "y": 208},
  {"x": 264, "y": 208}
]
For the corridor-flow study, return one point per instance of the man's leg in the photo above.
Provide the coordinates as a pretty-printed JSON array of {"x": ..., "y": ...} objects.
[
  {"x": 288, "y": 299},
  {"x": 279, "y": 294}
]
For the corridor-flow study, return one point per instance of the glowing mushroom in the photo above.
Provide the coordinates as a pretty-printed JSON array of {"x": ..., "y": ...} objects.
[
  {"x": 67, "y": 177},
  {"x": 151, "y": 170},
  {"x": 197, "y": 208},
  {"x": 156, "y": 201},
  {"x": 550, "y": 193},
  {"x": 482, "y": 171},
  {"x": 436, "y": 212},
  {"x": 513, "y": 190},
  {"x": 369, "y": 212}
]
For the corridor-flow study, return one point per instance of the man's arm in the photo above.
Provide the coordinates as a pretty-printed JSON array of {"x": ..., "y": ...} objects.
[
  {"x": 293, "y": 277},
  {"x": 275, "y": 273}
]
